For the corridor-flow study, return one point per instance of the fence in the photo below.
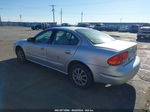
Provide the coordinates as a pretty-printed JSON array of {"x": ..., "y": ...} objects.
[{"x": 25, "y": 24}]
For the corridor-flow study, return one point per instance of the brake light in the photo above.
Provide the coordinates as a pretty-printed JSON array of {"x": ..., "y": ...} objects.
[{"x": 118, "y": 59}]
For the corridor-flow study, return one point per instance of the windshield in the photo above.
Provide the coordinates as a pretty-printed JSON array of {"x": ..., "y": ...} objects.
[{"x": 96, "y": 37}]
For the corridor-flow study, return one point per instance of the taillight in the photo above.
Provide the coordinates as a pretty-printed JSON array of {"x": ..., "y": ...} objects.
[{"x": 118, "y": 59}]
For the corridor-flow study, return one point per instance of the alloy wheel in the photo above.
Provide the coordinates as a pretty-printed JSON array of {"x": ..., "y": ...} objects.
[{"x": 80, "y": 77}]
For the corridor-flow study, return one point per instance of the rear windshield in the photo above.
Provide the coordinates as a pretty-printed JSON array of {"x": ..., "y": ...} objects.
[{"x": 96, "y": 37}]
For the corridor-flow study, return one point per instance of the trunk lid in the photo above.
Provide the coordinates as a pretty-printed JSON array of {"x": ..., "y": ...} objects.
[
  {"x": 116, "y": 45},
  {"x": 120, "y": 46}
]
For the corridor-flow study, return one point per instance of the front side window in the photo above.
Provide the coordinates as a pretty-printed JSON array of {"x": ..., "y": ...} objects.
[
  {"x": 65, "y": 38},
  {"x": 44, "y": 37},
  {"x": 96, "y": 37}
]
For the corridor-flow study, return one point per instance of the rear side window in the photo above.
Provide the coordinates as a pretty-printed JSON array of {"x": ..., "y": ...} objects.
[
  {"x": 96, "y": 37},
  {"x": 65, "y": 38}
]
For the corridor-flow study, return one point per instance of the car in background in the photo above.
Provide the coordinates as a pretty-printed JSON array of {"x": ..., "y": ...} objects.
[
  {"x": 87, "y": 25},
  {"x": 134, "y": 28},
  {"x": 85, "y": 54},
  {"x": 36, "y": 26},
  {"x": 45, "y": 26},
  {"x": 144, "y": 32},
  {"x": 111, "y": 28},
  {"x": 123, "y": 28},
  {"x": 65, "y": 24},
  {"x": 100, "y": 27}
]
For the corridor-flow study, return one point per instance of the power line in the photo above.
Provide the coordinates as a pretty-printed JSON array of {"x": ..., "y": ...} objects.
[{"x": 53, "y": 10}]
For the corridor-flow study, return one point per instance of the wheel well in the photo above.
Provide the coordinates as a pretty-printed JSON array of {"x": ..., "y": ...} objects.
[
  {"x": 17, "y": 47},
  {"x": 76, "y": 62}
]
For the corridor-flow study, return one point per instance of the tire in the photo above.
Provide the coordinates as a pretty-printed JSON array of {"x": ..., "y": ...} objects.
[
  {"x": 20, "y": 55},
  {"x": 81, "y": 76},
  {"x": 139, "y": 37},
  {"x": 32, "y": 28}
]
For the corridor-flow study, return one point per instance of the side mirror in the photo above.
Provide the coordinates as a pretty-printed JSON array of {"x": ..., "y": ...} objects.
[{"x": 31, "y": 39}]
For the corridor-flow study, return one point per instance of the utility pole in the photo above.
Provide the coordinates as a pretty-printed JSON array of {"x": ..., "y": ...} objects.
[
  {"x": 20, "y": 17},
  {"x": 61, "y": 16},
  {"x": 53, "y": 10},
  {"x": 120, "y": 20},
  {"x": 81, "y": 17},
  {"x": 0, "y": 14}
]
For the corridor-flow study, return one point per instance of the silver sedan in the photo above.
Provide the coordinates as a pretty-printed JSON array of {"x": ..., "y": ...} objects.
[{"x": 86, "y": 55}]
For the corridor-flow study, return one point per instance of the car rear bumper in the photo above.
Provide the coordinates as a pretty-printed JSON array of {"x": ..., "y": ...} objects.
[{"x": 118, "y": 75}]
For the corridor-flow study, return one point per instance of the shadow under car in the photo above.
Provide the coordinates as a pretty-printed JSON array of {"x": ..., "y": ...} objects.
[{"x": 31, "y": 86}]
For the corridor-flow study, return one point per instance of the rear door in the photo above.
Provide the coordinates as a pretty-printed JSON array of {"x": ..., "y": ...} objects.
[
  {"x": 36, "y": 51},
  {"x": 62, "y": 48}
]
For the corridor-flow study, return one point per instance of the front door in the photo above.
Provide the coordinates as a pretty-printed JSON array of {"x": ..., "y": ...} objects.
[{"x": 36, "y": 51}]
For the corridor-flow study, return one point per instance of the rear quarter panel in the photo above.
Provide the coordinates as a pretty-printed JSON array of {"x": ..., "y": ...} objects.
[{"x": 91, "y": 55}]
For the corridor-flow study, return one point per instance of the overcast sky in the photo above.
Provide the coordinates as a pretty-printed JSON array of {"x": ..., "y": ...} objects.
[{"x": 94, "y": 10}]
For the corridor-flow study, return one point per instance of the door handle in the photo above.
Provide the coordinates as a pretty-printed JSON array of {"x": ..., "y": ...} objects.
[{"x": 68, "y": 52}]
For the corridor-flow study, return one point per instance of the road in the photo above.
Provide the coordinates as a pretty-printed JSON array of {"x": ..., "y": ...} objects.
[{"x": 31, "y": 86}]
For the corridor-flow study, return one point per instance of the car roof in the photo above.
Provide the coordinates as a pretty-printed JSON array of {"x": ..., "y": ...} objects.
[{"x": 68, "y": 28}]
